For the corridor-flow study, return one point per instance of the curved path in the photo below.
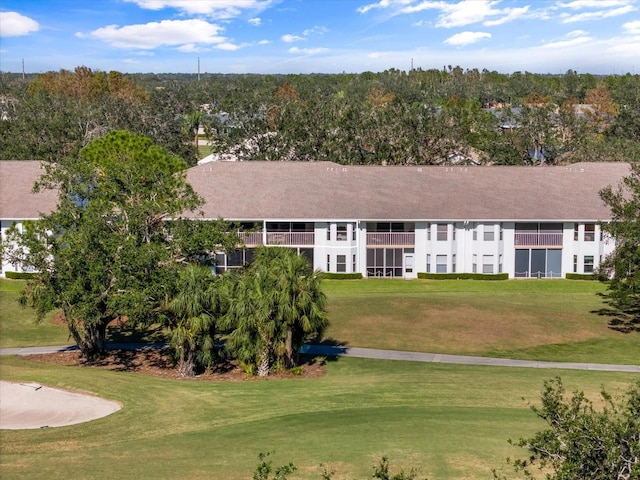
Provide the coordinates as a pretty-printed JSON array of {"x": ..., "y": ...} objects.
[{"x": 376, "y": 354}]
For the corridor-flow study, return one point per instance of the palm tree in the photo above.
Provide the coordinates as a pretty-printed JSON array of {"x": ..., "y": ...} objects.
[
  {"x": 277, "y": 305},
  {"x": 193, "y": 313}
]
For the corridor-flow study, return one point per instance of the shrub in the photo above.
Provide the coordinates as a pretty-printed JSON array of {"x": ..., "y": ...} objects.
[
  {"x": 581, "y": 276},
  {"x": 463, "y": 276},
  {"x": 341, "y": 276},
  {"x": 19, "y": 275}
]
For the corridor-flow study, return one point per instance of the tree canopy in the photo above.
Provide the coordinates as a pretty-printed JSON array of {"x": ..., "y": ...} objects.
[
  {"x": 276, "y": 306},
  {"x": 621, "y": 269},
  {"x": 582, "y": 442},
  {"x": 112, "y": 247}
]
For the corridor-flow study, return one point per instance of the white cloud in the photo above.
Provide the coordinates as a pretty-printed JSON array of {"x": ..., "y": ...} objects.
[
  {"x": 157, "y": 34},
  {"x": 580, "y": 4},
  {"x": 308, "y": 51},
  {"x": 229, "y": 47},
  {"x": 315, "y": 31},
  {"x": 218, "y": 8},
  {"x": 566, "y": 43},
  {"x": 264, "y": 42},
  {"x": 582, "y": 17},
  {"x": 288, "y": 38},
  {"x": 458, "y": 14},
  {"x": 16, "y": 25},
  {"x": 466, "y": 38},
  {"x": 632, "y": 27},
  {"x": 383, "y": 4},
  {"x": 510, "y": 14},
  {"x": 256, "y": 22},
  {"x": 576, "y": 33}
]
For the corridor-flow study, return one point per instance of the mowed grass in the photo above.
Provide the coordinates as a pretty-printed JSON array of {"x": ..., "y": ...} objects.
[
  {"x": 18, "y": 326},
  {"x": 452, "y": 421},
  {"x": 526, "y": 319}
]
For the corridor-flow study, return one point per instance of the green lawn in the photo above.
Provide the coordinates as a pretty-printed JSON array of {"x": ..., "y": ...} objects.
[
  {"x": 453, "y": 421},
  {"x": 18, "y": 326},
  {"x": 525, "y": 319}
]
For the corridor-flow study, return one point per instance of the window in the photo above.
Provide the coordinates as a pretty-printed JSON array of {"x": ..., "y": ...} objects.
[
  {"x": 453, "y": 233},
  {"x": 588, "y": 264},
  {"x": 474, "y": 265},
  {"x": 353, "y": 233},
  {"x": 453, "y": 263},
  {"x": 353, "y": 264},
  {"x": 575, "y": 264},
  {"x": 501, "y": 232},
  {"x": 329, "y": 232},
  {"x": 428, "y": 231},
  {"x": 341, "y": 263},
  {"x": 589, "y": 232},
  {"x": 442, "y": 232},
  {"x": 428, "y": 263},
  {"x": 487, "y": 264},
  {"x": 475, "y": 231},
  {"x": 328, "y": 263},
  {"x": 489, "y": 233},
  {"x": 341, "y": 233},
  {"x": 441, "y": 264},
  {"x": 576, "y": 236},
  {"x": 500, "y": 264}
]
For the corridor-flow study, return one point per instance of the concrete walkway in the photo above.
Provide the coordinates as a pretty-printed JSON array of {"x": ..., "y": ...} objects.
[{"x": 374, "y": 354}]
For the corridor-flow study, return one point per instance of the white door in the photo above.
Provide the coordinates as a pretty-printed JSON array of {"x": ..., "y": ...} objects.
[{"x": 409, "y": 269}]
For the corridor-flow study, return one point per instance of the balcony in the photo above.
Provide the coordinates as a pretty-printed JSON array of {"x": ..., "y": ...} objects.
[
  {"x": 290, "y": 238},
  {"x": 383, "y": 239},
  {"x": 538, "y": 239},
  {"x": 251, "y": 239}
]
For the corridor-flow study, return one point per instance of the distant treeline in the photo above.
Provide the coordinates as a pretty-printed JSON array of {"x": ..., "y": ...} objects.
[{"x": 446, "y": 116}]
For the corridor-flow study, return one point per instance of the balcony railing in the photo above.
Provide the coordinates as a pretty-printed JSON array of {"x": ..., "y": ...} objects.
[
  {"x": 384, "y": 238},
  {"x": 290, "y": 238},
  {"x": 538, "y": 239},
  {"x": 251, "y": 238}
]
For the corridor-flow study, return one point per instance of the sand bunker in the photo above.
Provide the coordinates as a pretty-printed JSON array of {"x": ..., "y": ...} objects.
[{"x": 31, "y": 405}]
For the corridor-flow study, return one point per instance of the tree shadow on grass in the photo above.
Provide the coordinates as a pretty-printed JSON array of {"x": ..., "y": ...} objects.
[{"x": 620, "y": 321}]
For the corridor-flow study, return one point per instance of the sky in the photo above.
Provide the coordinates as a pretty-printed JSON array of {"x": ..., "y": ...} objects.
[{"x": 320, "y": 36}]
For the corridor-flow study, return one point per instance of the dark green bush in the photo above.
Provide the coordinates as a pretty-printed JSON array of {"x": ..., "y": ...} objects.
[
  {"x": 341, "y": 276},
  {"x": 463, "y": 276},
  {"x": 581, "y": 276},
  {"x": 19, "y": 275}
]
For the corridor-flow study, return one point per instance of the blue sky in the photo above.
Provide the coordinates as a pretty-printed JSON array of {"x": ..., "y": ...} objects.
[{"x": 320, "y": 36}]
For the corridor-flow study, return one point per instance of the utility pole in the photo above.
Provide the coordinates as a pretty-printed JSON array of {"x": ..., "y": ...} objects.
[{"x": 198, "y": 68}]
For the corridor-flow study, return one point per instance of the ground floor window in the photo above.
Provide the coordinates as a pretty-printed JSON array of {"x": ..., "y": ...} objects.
[
  {"x": 341, "y": 263},
  {"x": 234, "y": 260},
  {"x": 441, "y": 264},
  {"x": 538, "y": 263},
  {"x": 588, "y": 264},
  {"x": 487, "y": 264},
  {"x": 386, "y": 262}
]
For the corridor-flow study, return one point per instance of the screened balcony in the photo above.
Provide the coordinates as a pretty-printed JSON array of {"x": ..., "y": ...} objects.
[
  {"x": 538, "y": 239},
  {"x": 400, "y": 239}
]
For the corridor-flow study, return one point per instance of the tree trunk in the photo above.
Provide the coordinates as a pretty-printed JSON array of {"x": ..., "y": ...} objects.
[
  {"x": 93, "y": 344},
  {"x": 263, "y": 367},
  {"x": 289, "y": 360},
  {"x": 90, "y": 338},
  {"x": 186, "y": 365}
]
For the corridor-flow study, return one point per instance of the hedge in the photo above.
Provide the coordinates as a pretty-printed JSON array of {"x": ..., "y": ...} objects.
[
  {"x": 19, "y": 275},
  {"x": 581, "y": 276},
  {"x": 464, "y": 276},
  {"x": 341, "y": 276}
]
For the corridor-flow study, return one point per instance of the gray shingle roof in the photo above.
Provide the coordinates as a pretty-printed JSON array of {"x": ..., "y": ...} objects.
[
  {"x": 17, "y": 200},
  {"x": 328, "y": 191},
  {"x": 324, "y": 190}
]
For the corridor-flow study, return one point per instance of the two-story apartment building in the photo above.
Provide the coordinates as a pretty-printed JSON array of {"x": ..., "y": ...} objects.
[
  {"x": 384, "y": 221},
  {"x": 397, "y": 221}
]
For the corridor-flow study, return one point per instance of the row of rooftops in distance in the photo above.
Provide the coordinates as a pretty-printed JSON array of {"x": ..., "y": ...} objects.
[{"x": 329, "y": 191}]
